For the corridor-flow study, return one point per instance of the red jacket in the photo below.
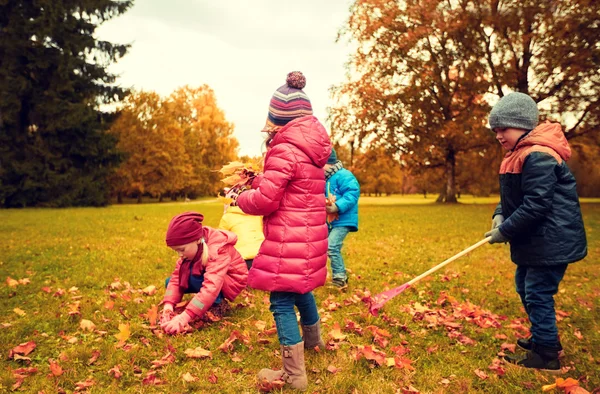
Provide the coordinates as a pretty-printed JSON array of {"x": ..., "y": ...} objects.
[
  {"x": 293, "y": 257},
  {"x": 225, "y": 271}
]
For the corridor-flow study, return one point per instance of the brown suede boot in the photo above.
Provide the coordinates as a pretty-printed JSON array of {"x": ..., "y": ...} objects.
[
  {"x": 293, "y": 372},
  {"x": 312, "y": 336}
]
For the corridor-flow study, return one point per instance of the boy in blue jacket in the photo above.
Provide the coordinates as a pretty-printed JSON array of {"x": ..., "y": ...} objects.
[
  {"x": 539, "y": 215},
  {"x": 342, "y": 184}
]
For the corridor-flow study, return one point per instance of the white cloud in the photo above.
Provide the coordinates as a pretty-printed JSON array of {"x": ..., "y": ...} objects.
[{"x": 243, "y": 50}]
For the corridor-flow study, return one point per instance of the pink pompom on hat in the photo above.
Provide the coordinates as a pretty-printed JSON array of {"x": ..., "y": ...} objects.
[
  {"x": 184, "y": 229},
  {"x": 288, "y": 103}
]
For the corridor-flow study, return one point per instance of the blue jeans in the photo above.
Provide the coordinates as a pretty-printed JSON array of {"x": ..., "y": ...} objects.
[
  {"x": 282, "y": 307},
  {"x": 194, "y": 286},
  {"x": 536, "y": 287},
  {"x": 334, "y": 251}
]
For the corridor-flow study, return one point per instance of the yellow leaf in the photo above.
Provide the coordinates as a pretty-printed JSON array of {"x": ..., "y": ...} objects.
[
  {"x": 19, "y": 311},
  {"x": 198, "y": 353},
  {"x": 188, "y": 377},
  {"x": 231, "y": 167},
  {"x": 548, "y": 387},
  {"x": 124, "y": 332},
  {"x": 11, "y": 282},
  {"x": 87, "y": 325}
]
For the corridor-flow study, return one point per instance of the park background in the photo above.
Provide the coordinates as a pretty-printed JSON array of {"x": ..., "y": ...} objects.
[{"x": 404, "y": 87}]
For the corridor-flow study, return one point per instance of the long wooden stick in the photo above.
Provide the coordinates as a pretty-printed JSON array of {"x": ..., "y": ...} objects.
[
  {"x": 451, "y": 259},
  {"x": 380, "y": 299}
]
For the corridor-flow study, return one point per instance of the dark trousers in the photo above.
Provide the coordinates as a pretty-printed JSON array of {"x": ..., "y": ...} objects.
[
  {"x": 194, "y": 286},
  {"x": 536, "y": 287}
]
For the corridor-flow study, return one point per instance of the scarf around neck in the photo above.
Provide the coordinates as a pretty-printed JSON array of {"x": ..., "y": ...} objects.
[
  {"x": 190, "y": 267},
  {"x": 333, "y": 169}
]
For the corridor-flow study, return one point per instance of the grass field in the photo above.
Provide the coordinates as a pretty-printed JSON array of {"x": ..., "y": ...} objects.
[{"x": 444, "y": 335}]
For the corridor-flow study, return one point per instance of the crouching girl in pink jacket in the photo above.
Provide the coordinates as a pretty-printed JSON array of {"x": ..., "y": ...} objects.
[
  {"x": 208, "y": 265},
  {"x": 291, "y": 262}
]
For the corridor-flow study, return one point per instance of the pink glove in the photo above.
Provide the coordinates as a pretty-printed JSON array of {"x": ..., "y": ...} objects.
[
  {"x": 178, "y": 324},
  {"x": 167, "y": 314}
]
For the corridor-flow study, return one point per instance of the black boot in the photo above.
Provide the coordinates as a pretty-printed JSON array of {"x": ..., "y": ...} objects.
[
  {"x": 526, "y": 344},
  {"x": 539, "y": 357}
]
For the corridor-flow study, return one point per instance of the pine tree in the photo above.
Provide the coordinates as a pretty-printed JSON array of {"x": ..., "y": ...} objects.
[{"x": 54, "y": 148}]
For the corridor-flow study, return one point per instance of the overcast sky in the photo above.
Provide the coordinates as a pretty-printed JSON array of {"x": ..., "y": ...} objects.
[{"x": 242, "y": 49}]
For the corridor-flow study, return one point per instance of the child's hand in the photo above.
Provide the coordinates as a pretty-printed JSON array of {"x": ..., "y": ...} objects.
[
  {"x": 331, "y": 208},
  {"x": 178, "y": 324},
  {"x": 497, "y": 236},
  {"x": 167, "y": 314},
  {"x": 497, "y": 221}
]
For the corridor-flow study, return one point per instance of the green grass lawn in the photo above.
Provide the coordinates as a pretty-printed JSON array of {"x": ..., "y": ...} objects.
[{"x": 432, "y": 328}]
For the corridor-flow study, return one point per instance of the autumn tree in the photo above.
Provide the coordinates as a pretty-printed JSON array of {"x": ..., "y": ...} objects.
[
  {"x": 418, "y": 88},
  {"x": 54, "y": 146},
  {"x": 156, "y": 162},
  {"x": 209, "y": 141},
  {"x": 378, "y": 172},
  {"x": 424, "y": 71},
  {"x": 547, "y": 49}
]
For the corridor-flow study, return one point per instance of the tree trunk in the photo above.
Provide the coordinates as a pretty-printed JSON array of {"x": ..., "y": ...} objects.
[
  {"x": 160, "y": 197},
  {"x": 119, "y": 198},
  {"x": 450, "y": 192},
  {"x": 139, "y": 198}
]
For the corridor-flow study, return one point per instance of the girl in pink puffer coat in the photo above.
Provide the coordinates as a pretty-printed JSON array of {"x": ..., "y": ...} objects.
[{"x": 292, "y": 260}]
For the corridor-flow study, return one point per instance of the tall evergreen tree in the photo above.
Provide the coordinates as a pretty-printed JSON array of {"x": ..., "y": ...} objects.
[{"x": 54, "y": 148}]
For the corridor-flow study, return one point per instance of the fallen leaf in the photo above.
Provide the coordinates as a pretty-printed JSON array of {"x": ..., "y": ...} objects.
[
  {"x": 152, "y": 315},
  {"x": 482, "y": 375},
  {"x": 95, "y": 355},
  {"x": 11, "y": 282},
  {"x": 22, "y": 349},
  {"x": 109, "y": 304},
  {"x": 212, "y": 378},
  {"x": 150, "y": 290},
  {"x": 55, "y": 368},
  {"x": 336, "y": 333},
  {"x": 188, "y": 377},
  {"x": 19, "y": 312},
  {"x": 124, "y": 332},
  {"x": 115, "y": 371},
  {"x": 84, "y": 385},
  {"x": 333, "y": 369},
  {"x": 198, "y": 353},
  {"x": 87, "y": 325}
]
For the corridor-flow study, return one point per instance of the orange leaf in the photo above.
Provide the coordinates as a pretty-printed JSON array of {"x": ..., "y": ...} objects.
[
  {"x": 55, "y": 368},
  {"x": 11, "y": 282},
  {"x": 115, "y": 371},
  {"x": 152, "y": 315},
  {"x": 23, "y": 349}
]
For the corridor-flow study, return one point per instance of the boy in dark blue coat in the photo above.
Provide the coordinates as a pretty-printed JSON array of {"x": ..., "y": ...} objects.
[
  {"x": 344, "y": 188},
  {"x": 539, "y": 215}
]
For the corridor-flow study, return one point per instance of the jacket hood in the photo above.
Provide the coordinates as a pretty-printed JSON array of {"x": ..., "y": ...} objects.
[
  {"x": 308, "y": 135},
  {"x": 550, "y": 135},
  {"x": 217, "y": 238}
]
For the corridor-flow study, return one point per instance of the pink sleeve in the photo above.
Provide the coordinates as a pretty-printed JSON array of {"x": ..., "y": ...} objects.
[
  {"x": 279, "y": 170},
  {"x": 214, "y": 276},
  {"x": 173, "y": 294}
]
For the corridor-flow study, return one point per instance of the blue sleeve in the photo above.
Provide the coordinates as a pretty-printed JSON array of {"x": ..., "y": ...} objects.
[
  {"x": 349, "y": 191},
  {"x": 538, "y": 182}
]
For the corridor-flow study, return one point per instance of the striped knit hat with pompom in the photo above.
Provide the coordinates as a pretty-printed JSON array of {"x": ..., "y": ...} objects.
[{"x": 288, "y": 103}]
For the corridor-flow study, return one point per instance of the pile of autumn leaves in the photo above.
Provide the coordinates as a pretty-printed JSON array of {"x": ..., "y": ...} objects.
[{"x": 446, "y": 313}]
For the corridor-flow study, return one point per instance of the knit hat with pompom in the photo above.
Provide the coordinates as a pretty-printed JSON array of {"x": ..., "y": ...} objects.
[{"x": 288, "y": 103}]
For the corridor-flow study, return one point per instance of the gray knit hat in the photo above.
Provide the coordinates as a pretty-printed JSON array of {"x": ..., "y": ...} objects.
[{"x": 516, "y": 110}]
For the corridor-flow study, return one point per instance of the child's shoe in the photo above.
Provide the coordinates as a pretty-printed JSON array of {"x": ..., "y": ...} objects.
[
  {"x": 311, "y": 335},
  {"x": 340, "y": 283},
  {"x": 525, "y": 344},
  {"x": 539, "y": 357}
]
